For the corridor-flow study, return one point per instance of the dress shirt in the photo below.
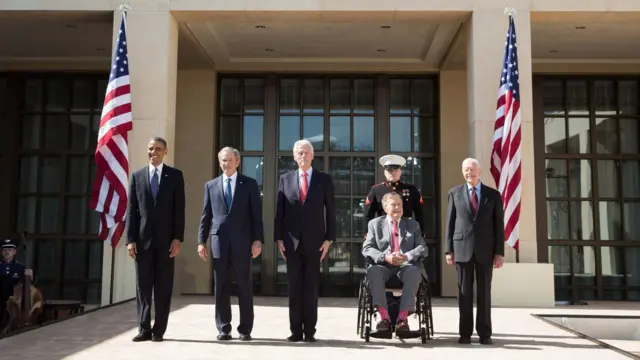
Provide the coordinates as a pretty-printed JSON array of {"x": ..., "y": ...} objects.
[
  {"x": 300, "y": 180},
  {"x": 151, "y": 168},
  {"x": 389, "y": 222},
  {"x": 233, "y": 178},
  {"x": 478, "y": 187}
]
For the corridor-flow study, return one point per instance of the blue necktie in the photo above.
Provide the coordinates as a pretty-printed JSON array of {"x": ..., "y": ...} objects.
[
  {"x": 227, "y": 194},
  {"x": 154, "y": 184}
]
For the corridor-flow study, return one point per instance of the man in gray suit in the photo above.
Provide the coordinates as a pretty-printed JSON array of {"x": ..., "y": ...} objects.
[
  {"x": 396, "y": 248},
  {"x": 474, "y": 243}
]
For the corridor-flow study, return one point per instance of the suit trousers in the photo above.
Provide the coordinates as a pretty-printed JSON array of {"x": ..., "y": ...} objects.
[
  {"x": 222, "y": 276},
  {"x": 303, "y": 270},
  {"x": 410, "y": 276},
  {"x": 154, "y": 274},
  {"x": 483, "y": 275}
]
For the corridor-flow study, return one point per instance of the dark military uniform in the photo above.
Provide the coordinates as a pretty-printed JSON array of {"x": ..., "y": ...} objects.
[
  {"x": 11, "y": 273},
  {"x": 412, "y": 201}
]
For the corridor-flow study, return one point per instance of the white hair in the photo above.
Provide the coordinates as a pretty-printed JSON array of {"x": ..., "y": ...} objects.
[
  {"x": 302, "y": 143},
  {"x": 234, "y": 151},
  {"x": 471, "y": 161}
]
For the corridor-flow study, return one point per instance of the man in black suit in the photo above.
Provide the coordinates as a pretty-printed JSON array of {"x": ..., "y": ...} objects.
[
  {"x": 303, "y": 235},
  {"x": 232, "y": 215},
  {"x": 155, "y": 229},
  {"x": 474, "y": 243}
]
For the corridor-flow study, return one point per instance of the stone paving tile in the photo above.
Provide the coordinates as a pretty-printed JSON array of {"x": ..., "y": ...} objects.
[{"x": 106, "y": 334}]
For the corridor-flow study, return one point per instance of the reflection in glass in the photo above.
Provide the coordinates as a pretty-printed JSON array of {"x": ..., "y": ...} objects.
[
  {"x": 80, "y": 131},
  {"x": 340, "y": 96},
  {"x": 77, "y": 174},
  {"x": 582, "y": 220},
  {"x": 230, "y": 134},
  {"x": 423, "y": 135},
  {"x": 340, "y": 171},
  {"x": 363, "y": 96},
  {"x": 556, "y": 174},
  {"x": 423, "y": 96},
  {"x": 631, "y": 222},
  {"x": 359, "y": 220},
  {"x": 57, "y": 95},
  {"x": 400, "y": 96},
  {"x": 28, "y": 174},
  {"x": 340, "y": 133},
  {"x": 26, "y": 218},
  {"x": 400, "y": 134},
  {"x": 604, "y": 97},
  {"x": 584, "y": 265},
  {"x": 576, "y": 93},
  {"x": 82, "y": 95},
  {"x": 608, "y": 178},
  {"x": 358, "y": 262},
  {"x": 557, "y": 220},
  {"x": 612, "y": 265},
  {"x": 33, "y": 94},
  {"x": 610, "y": 220},
  {"x": 54, "y": 131},
  {"x": 49, "y": 211},
  {"x": 253, "y": 133},
  {"x": 289, "y": 132},
  {"x": 47, "y": 258},
  {"x": 253, "y": 96},
  {"x": 339, "y": 263},
  {"x": 628, "y": 97},
  {"x": 430, "y": 215},
  {"x": 313, "y": 130},
  {"x": 555, "y": 136},
  {"x": 252, "y": 166},
  {"x": 230, "y": 96},
  {"x": 31, "y": 131},
  {"x": 364, "y": 175},
  {"x": 313, "y": 96},
  {"x": 579, "y": 141},
  {"x": 289, "y": 96},
  {"x": 560, "y": 257},
  {"x": 74, "y": 250},
  {"x": 343, "y": 218},
  {"x": 606, "y": 136},
  {"x": 421, "y": 173},
  {"x": 632, "y": 254},
  {"x": 76, "y": 215},
  {"x": 553, "y": 98},
  {"x": 363, "y": 133},
  {"x": 629, "y": 136},
  {"x": 50, "y": 176},
  {"x": 580, "y": 171}
]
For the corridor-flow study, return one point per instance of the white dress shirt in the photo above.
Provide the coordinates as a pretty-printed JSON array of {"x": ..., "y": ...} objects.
[
  {"x": 151, "y": 168},
  {"x": 301, "y": 180},
  {"x": 233, "y": 178}
]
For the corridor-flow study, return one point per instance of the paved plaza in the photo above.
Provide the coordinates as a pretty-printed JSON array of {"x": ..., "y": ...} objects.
[{"x": 105, "y": 334}]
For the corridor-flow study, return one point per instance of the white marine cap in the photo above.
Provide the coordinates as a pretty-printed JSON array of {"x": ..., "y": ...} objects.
[{"x": 392, "y": 160}]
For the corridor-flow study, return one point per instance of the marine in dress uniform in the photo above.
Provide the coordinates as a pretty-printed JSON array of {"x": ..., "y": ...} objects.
[{"x": 412, "y": 200}]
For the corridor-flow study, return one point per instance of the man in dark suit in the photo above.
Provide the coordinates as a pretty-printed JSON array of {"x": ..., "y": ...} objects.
[
  {"x": 155, "y": 229},
  {"x": 303, "y": 235},
  {"x": 232, "y": 215},
  {"x": 474, "y": 243}
]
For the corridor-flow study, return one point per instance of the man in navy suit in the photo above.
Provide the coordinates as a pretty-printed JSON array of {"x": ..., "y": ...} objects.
[
  {"x": 155, "y": 229},
  {"x": 304, "y": 234},
  {"x": 232, "y": 215}
]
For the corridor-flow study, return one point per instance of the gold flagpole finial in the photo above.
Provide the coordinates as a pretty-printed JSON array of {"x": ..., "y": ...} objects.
[{"x": 510, "y": 11}]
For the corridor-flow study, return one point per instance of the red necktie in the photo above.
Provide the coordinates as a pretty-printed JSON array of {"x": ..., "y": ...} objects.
[
  {"x": 305, "y": 187},
  {"x": 474, "y": 200},
  {"x": 395, "y": 244}
]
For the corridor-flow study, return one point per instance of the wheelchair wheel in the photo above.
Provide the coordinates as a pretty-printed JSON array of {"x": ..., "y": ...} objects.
[
  {"x": 367, "y": 333},
  {"x": 360, "y": 311},
  {"x": 423, "y": 335}
]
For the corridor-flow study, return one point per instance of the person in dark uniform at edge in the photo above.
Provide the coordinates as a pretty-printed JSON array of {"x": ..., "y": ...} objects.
[
  {"x": 412, "y": 200},
  {"x": 12, "y": 272}
]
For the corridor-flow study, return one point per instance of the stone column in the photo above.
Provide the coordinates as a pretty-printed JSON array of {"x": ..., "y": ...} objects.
[
  {"x": 485, "y": 50},
  {"x": 152, "y": 39}
]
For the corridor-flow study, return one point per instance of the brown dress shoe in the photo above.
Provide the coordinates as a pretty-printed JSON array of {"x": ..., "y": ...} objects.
[
  {"x": 402, "y": 326},
  {"x": 383, "y": 325}
]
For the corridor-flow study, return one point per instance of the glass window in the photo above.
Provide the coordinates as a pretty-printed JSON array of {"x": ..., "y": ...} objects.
[{"x": 592, "y": 171}]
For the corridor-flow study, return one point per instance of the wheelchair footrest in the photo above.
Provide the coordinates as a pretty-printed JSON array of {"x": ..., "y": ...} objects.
[
  {"x": 382, "y": 334},
  {"x": 409, "y": 334}
]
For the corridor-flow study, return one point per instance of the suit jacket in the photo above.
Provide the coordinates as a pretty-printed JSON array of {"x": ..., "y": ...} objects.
[
  {"x": 378, "y": 241},
  {"x": 481, "y": 236},
  {"x": 232, "y": 230},
  {"x": 156, "y": 223},
  {"x": 306, "y": 224}
]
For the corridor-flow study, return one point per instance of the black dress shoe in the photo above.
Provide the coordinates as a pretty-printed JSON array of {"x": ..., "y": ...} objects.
[
  {"x": 245, "y": 337},
  {"x": 224, "y": 336},
  {"x": 295, "y": 338},
  {"x": 309, "y": 338},
  {"x": 157, "y": 338},
  {"x": 464, "y": 340},
  {"x": 143, "y": 336},
  {"x": 486, "y": 341}
]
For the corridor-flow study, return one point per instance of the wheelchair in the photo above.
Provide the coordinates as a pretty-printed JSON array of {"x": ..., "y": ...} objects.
[{"x": 367, "y": 311}]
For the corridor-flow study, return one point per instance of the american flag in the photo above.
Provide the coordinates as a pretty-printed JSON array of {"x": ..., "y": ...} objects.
[
  {"x": 110, "y": 188},
  {"x": 505, "y": 156}
]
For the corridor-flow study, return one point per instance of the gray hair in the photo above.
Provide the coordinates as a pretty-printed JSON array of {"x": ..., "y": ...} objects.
[
  {"x": 302, "y": 143},
  {"x": 234, "y": 151},
  {"x": 387, "y": 198},
  {"x": 471, "y": 161}
]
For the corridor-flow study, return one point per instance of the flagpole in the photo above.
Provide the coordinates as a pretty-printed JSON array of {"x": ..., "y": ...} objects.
[{"x": 123, "y": 8}]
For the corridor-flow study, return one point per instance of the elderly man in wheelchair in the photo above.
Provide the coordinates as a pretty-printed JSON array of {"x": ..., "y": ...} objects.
[{"x": 395, "y": 248}]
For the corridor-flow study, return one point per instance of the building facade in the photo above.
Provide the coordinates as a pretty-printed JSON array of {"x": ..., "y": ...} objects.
[{"x": 359, "y": 80}]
